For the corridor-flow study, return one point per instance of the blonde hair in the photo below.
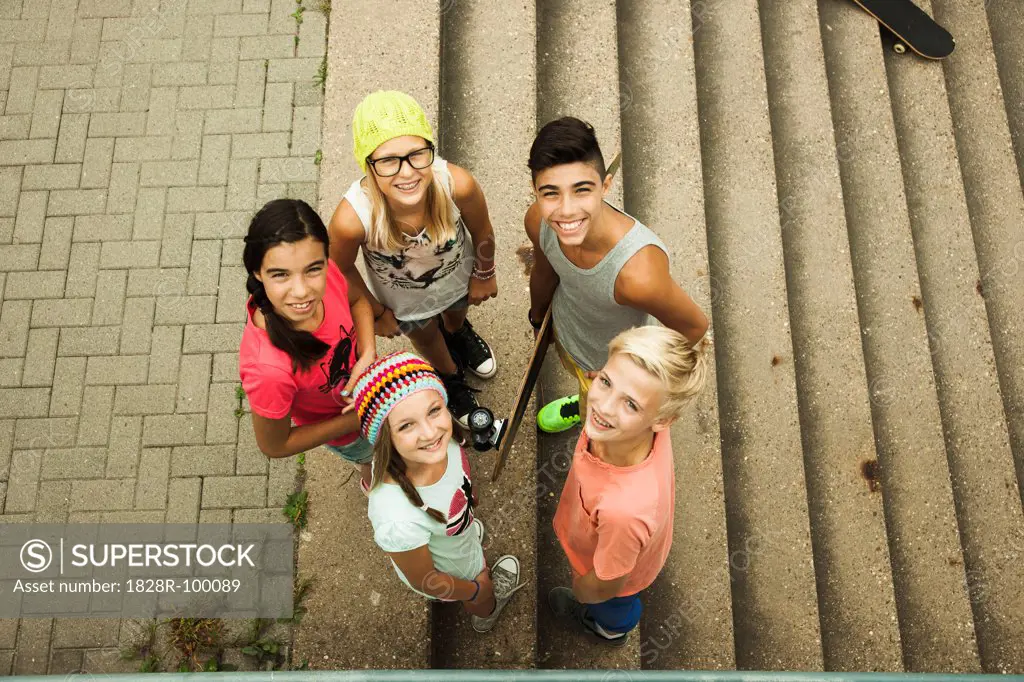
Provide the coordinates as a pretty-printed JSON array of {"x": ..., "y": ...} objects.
[
  {"x": 385, "y": 236},
  {"x": 666, "y": 354}
]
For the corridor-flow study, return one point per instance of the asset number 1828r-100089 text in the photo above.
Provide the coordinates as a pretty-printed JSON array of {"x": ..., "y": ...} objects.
[{"x": 183, "y": 585}]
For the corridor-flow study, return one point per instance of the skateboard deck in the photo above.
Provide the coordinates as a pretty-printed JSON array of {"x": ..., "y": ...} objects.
[
  {"x": 511, "y": 425},
  {"x": 911, "y": 26}
]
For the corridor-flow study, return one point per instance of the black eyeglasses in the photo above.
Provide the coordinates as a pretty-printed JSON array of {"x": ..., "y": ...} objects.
[{"x": 388, "y": 166}]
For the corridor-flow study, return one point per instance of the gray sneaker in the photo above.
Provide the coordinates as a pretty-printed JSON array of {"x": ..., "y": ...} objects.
[
  {"x": 564, "y": 604},
  {"x": 505, "y": 577}
]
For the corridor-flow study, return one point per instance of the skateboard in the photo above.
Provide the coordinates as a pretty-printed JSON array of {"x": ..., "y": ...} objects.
[{"x": 911, "y": 26}]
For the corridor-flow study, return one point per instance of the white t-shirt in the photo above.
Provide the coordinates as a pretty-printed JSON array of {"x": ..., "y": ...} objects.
[{"x": 398, "y": 526}]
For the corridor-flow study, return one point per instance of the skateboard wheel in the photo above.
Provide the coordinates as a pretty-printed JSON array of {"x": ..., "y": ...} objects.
[{"x": 899, "y": 48}]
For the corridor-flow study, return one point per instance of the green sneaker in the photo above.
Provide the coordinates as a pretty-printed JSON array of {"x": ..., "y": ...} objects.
[{"x": 559, "y": 415}]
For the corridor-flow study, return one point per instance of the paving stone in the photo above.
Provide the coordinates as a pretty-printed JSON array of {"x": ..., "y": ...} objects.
[
  {"x": 154, "y": 472},
  {"x": 68, "y": 385},
  {"x": 267, "y": 47},
  {"x": 183, "y": 500},
  {"x": 40, "y": 358},
  {"x": 24, "y": 402},
  {"x": 197, "y": 37},
  {"x": 165, "y": 354},
  {"x": 73, "y": 463},
  {"x": 94, "y": 422},
  {"x": 188, "y": 136},
  {"x": 37, "y": 284},
  {"x": 71, "y": 138},
  {"x": 240, "y": 25},
  {"x": 221, "y": 492},
  {"x": 102, "y": 495},
  {"x": 233, "y": 120},
  {"x": 109, "y": 303},
  {"x": 203, "y": 460},
  {"x": 137, "y": 327},
  {"x": 198, "y": 97},
  {"x": 137, "y": 91},
  {"x": 265, "y": 193},
  {"x": 220, "y": 225},
  {"x": 86, "y": 341},
  {"x": 281, "y": 20},
  {"x": 85, "y": 100},
  {"x": 125, "y": 445},
  {"x": 117, "y": 369},
  {"x": 292, "y": 70},
  {"x": 33, "y": 651},
  {"x": 43, "y": 433},
  {"x": 90, "y": 9},
  {"x": 163, "y": 104},
  {"x": 124, "y": 188},
  {"x": 61, "y": 23},
  {"x": 204, "y": 271},
  {"x": 62, "y": 312},
  {"x": 149, "y": 213},
  {"x": 76, "y": 201},
  {"x": 85, "y": 40},
  {"x": 231, "y": 295},
  {"x": 179, "y": 429},
  {"x": 221, "y": 422},
  {"x": 129, "y": 254},
  {"x": 305, "y": 131},
  {"x": 83, "y": 267},
  {"x": 115, "y": 229},
  {"x": 65, "y": 661},
  {"x": 214, "y": 6},
  {"x": 65, "y": 76},
  {"x": 312, "y": 35},
  {"x": 19, "y": 257},
  {"x": 194, "y": 383},
  {"x": 181, "y": 199},
  {"x": 21, "y": 152},
  {"x": 23, "y": 482},
  {"x": 269, "y": 515},
  {"x": 176, "y": 250},
  {"x": 249, "y": 459},
  {"x": 305, "y": 191},
  {"x": 215, "y": 516},
  {"x": 6, "y": 230},
  {"x": 142, "y": 400},
  {"x": 99, "y": 153},
  {"x": 277, "y": 106},
  {"x": 157, "y": 282},
  {"x": 223, "y": 61},
  {"x": 123, "y": 124},
  {"x": 169, "y": 173},
  {"x": 251, "y": 83},
  {"x": 56, "y": 249},
  {"x": 154, "y": 148},
  {"x": 54, "y": 176},
  {"x": 46, "y": 113},
  {"x": 225, "y": 368},
  {"x": 6, "y": 446},
  {"x": 185, "y": 309},
  {"x": 21, "y": 93},
  {"x": 241, "y": 192},
  {"x": 16, "y": 127},
  {"x": 257, "y": 145},
  {"x": 211, "y": 337},
  {"x": 14, "y": 324},
  {"x": 179, "y": 73},
  {"x": 53, "y": 502},
  {"x": 11, "y": 184},
  {"x": 10, "y": 372},
  {"x": 281, "y": 480},
  {"x": 28, "y": 225}
]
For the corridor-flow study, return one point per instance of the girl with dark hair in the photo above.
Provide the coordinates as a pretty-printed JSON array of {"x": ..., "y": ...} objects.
[
  {"x": 307, "y": 338},
  {"x": 421, "y": 499}
]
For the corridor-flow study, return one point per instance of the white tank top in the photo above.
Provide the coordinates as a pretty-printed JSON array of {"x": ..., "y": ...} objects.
[{"x": 423, "y": 278}]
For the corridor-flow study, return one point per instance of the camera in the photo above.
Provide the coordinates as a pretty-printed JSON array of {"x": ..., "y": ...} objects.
[{"x": 485, "y": 429}]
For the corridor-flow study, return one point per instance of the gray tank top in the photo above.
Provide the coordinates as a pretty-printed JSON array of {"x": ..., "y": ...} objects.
[{"x": 584, "y": 311}]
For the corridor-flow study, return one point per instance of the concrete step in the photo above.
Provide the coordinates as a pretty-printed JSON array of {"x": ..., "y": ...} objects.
[
  {"x": 854, "y": 579},
  {"x": 1006, "y": 24},
  {"x": 687, "y": 622},
  {"x": 352, "y": 575},
  {"x": 775, "y": 609},
  {"x": 577, "y": 75},
  {"x": 481, "y": 95},
  {"x": 992, "y": 183},
  {"x": 936, "y": 625}
]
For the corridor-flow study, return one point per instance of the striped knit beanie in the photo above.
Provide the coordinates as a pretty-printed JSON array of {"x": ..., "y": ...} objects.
[{"x": 387, "y": 382}]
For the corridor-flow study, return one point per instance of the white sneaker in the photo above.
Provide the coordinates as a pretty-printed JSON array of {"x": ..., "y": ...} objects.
[{"x": 505, "y": 577}]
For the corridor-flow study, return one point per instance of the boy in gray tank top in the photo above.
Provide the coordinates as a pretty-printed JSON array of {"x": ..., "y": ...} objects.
[{"x": 600, "y": 270}]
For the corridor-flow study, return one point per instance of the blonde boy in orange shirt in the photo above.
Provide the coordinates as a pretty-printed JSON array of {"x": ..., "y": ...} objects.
[{"x": 614, "y": 518}]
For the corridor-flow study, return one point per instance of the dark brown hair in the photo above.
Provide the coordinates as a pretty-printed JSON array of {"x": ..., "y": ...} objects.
[{"x": 565, "y": 140}]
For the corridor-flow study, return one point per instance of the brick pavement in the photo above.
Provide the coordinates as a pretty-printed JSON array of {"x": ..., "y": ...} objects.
[{"x": 136, "y": 139}]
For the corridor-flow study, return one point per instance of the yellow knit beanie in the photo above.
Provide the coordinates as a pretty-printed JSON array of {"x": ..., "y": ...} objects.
[{"x": 383, "y": 116}]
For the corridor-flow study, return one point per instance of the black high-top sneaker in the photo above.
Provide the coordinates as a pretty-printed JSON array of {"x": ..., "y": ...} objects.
[
  {"x": 461, "y": 400},
  {"x": 471, "y": 351}
]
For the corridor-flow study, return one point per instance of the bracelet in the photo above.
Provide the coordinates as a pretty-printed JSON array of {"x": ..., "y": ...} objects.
[
  {"x": 535, "y": 325},
  {"x": 377, "y": 317},
  {"x": 475, "y": 593},
  {"x": 490, "y": 275}
]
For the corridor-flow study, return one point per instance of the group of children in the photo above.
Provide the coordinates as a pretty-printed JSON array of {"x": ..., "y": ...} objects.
[{"x": 309, "y": 367}]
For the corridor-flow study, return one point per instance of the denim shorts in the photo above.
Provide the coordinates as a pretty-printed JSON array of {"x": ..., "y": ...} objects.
[
  {"x": 409, "y": 326},
  {"x": 358, "y": 451}
]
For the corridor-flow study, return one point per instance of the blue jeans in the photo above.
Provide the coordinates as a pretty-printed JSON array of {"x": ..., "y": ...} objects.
[
  {"x": 358, "y": 451},
  {"x": 618, "y": 614}
]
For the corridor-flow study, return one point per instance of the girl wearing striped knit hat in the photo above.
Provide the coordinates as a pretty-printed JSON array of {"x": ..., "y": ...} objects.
[{"x": 421, "y": 495}]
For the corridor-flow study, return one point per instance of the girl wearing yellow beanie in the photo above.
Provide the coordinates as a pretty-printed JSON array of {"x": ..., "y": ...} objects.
[{"x": 426, "y": 239}]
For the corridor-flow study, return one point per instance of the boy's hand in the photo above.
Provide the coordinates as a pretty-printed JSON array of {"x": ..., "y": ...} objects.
[
  {"x": 482, "y": 289},
  {"x": 386, "y": 325},
  {"x": 364, "y": 361}
]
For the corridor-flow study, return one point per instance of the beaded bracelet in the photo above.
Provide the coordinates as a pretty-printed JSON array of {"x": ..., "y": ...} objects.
[{"x": 486, "y": 276}]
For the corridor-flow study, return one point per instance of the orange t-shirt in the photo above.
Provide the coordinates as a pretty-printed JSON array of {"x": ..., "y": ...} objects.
[{"x": 618, "y": 520}]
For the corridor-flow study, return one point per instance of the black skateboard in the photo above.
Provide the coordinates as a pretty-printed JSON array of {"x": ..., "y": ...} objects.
[{"x": 911, "y": 26}]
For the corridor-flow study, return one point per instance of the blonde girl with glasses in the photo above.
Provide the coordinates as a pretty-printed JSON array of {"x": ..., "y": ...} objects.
[{"x": 426, "y": 239}]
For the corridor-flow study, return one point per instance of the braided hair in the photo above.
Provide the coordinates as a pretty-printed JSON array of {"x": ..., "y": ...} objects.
[{"x": 283, "y": 221}]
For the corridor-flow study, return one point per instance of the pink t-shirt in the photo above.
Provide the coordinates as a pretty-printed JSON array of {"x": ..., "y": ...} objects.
[
  {"x": 275, "y": 391},
  {"x": 618, "y": 520}
]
